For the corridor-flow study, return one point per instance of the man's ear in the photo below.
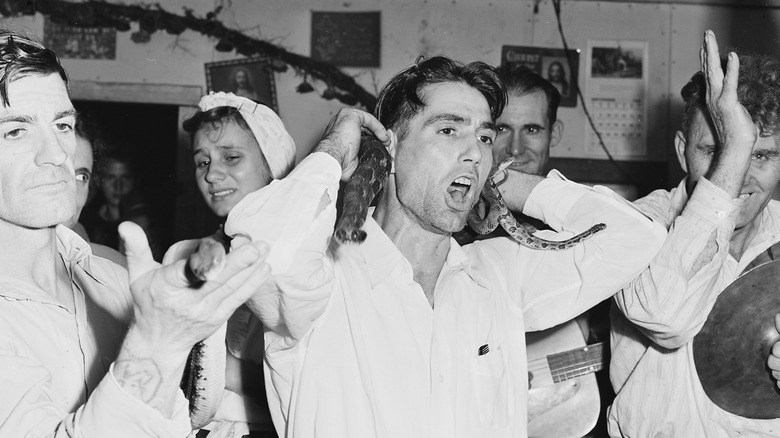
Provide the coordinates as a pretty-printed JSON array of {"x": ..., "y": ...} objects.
[
  {"x": 557, "y": 133},
  {"x": 679, "y": 147}
]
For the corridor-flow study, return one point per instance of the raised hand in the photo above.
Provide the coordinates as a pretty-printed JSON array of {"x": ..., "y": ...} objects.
[
  {"x": 342, "y": 137},
  {"x": 733, "y": 124},
  {"x": 734, "y": 127},
  {"x": 167, "y": 311}
]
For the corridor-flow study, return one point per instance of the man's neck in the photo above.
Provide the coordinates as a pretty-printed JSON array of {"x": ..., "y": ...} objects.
[
  {"x": 426, "y": 251},
  {"x": 743, "y": 237},
  {"x": 30, "y": 256}
]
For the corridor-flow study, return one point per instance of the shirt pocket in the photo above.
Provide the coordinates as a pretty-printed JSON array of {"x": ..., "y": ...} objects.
[{"x": 491, "y": 381}]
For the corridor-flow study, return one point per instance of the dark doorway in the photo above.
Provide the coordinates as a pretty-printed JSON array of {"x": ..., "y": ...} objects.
[{"x": 148, "y": 133}]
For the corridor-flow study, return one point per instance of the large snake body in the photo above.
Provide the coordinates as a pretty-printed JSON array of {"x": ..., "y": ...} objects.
[
  {"x": 373, "y": 168},
  {"x": 204, "y": 374},
  {"x": 374, "y": 165}
]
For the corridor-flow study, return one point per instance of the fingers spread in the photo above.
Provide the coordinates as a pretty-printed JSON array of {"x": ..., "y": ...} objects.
[
  {"x": 711, "y": 65},
  {"x": 732, "y": 77}
]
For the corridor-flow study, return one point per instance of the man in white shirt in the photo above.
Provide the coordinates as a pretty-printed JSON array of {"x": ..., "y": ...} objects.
[
  {"x": 409, "y": 334},
  {"x": 721, "y": 217},
  {"x": 63, "y": 311}
]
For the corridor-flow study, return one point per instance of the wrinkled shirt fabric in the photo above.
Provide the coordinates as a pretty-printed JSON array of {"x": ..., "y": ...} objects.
[
  {"x": 56, "y": 378},
  {"x": 354, "y": 348},
  {"x": 658, "y": 392}
]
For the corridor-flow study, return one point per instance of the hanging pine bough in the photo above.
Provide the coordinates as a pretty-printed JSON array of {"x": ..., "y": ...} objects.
[{"x": 152, "y": 19}]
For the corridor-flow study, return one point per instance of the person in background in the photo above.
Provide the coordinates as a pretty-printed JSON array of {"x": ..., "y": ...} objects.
[
  {"x": 89, "y": 145},
  {"x": 87, "y": 348},
  {"x": 407, "y": 333},
  {"x": 720, "y": 219},
  {"x": 116, "y": 180},
  {"x": 526, "y": 130},
  {"x": 119, "y": 199},
  {"x": 238, "y": 147}
]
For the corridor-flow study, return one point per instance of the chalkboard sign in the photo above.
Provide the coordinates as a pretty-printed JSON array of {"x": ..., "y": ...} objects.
[{"x": 349, "y": 39}]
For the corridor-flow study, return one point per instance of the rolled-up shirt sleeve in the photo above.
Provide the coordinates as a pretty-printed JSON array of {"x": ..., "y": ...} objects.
[
  {"x": 29, "y": 408},
  {"x": 669, "y": 301},
  {"x": 555, "y": 286},
  {"x": 295, "y": 217}
]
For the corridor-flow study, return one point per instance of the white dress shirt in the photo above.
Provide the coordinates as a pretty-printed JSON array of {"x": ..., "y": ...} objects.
[
  {"x": 355, "y": 348},
  {"x": 55, "y": 365},
  {"x": 652, "y": 369}
]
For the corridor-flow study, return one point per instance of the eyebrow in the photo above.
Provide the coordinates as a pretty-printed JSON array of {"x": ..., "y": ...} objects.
[
  {"x": 446, "y": 118},
  {"x": 14, "y": 118},
  {"x": 222, "y": 147},
  {"x": 67, "y": 113},
  {"x": 27, "y": 119},
  {"x": 460, "y": 120},
  {"x": 767, "y": 152}
]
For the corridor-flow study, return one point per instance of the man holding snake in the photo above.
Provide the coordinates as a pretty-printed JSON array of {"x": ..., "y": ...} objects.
[
  {"x": 70, "y": 365},
  {"x": 407, "y": 333}
]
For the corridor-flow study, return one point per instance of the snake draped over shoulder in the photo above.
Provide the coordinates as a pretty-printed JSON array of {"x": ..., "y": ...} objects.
[
  {"x": 491, "y": 211},
  {"x": 374, "y": 164}
]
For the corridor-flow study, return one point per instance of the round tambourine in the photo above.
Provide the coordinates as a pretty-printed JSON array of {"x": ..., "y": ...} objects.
[{"x": 731, "y": 350}]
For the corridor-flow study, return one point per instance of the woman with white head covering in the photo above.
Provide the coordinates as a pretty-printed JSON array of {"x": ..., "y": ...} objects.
[{"x": 239, "y": 146}]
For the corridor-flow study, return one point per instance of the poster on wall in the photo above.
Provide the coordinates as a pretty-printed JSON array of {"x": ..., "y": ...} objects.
[
  {"x": 552, "y": 64},
  {"x": 79, "y": 42},
  {"x": 617, "y": 78},
  {"x": 348, "y": 39},
  {"x": 248, "y": 77}
]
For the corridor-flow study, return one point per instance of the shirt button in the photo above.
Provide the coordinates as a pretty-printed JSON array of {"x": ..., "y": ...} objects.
[
  {"x": 441, "y": 378},
  {"x": 720, "y": 214}
]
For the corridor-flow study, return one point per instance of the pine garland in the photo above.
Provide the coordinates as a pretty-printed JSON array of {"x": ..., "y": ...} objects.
[{"x": 152, "y": 19}]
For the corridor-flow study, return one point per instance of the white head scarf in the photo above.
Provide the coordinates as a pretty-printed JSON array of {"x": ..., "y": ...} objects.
[{"x": 269, "y": 131}]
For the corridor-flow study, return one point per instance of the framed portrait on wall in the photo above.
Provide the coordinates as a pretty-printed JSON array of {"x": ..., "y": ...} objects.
[
  {"x": 552, "y": 64},
  {"x": 248, "y": 77}
]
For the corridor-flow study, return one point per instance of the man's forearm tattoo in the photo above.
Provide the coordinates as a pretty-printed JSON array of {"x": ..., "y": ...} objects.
[{"x": 140, "y": 378}]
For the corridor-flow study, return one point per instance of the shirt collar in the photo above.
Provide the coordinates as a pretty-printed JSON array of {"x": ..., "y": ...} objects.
[{"x": 382, "y": 257}]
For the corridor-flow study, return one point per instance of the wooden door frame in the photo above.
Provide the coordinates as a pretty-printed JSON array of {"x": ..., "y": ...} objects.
[{"x": 192, "y": 217}]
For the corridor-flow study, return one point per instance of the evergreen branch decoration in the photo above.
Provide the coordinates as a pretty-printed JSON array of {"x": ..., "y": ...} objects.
[{"x": 151, "y": 19}]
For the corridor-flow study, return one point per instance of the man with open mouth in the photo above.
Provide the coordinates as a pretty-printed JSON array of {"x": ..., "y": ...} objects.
[{"x": 408, "y": 333}]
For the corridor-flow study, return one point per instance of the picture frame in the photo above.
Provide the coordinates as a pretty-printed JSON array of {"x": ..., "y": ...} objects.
[
  {"x": 252, "y": 78},
  {"x": 555, "y": 65}
]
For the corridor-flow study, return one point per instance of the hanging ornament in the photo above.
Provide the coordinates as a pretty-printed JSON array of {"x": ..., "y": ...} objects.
[
  {"x": 224, "y": 46},
  {"x": 304, "y": 87}
]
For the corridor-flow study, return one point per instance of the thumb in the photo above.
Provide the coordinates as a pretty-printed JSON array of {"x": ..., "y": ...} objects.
[{"x": 139, "y": 255}]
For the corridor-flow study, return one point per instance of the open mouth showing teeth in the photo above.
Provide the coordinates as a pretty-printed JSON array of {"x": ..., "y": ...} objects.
[
  {"x": 222, "y": 193},
  {"x": 460, "y": 188}
]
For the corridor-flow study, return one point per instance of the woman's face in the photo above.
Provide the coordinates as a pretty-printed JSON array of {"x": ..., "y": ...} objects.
[
  {"x": 116, "y": 181},
  {"x": 228, "y": 165}
]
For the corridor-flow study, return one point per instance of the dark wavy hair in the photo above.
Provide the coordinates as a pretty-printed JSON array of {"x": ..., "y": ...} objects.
[
  {"x": 758, "y": 91},
  {"x": 401, "y": 98},
  {"x": 520, "y": 81},
  {"x": 214, "y": 119},
  {"x": 21, "y": 56}
]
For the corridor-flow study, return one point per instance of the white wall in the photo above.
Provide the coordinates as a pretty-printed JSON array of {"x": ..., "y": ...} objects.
[{"x": 465, "y": 30}]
